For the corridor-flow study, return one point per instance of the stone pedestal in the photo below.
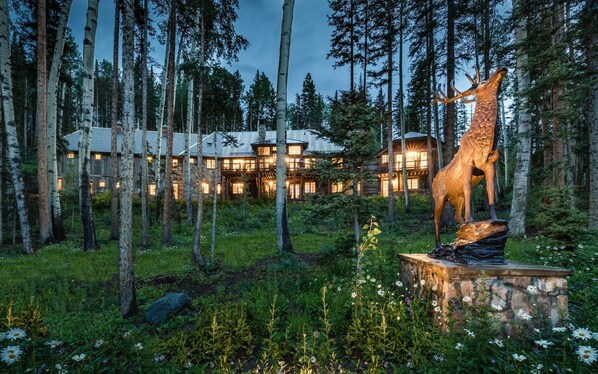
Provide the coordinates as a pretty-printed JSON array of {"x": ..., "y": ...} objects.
[{"x": 513, "y": 290}]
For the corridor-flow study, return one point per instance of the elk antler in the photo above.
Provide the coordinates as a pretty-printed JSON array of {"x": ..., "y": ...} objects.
[{"x": 440, "y": 97}]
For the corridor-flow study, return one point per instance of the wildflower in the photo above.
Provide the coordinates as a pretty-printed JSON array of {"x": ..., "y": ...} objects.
[
  {"x": 378, "y": 286},
  {"x": 586, "y": 354},
  {"x": 316, "y": 334},
  {"x": 583, "y": 334},
  {"x": 159, "y": 358},
  {"x": 538, "y": 369},
  {"x": 498, "y": 343},
  {"x": 313, "y": 359},
  {"x": 98, "y": 343},
  {"x": 15, "y": 334},
  {"x": 439, "y": 358},
  {"x": 60, "y": 369},
  {"x": 373, "y": 280},
  {"x": 543, "y": 343},
  {"x": 434, "y": 303},
  {"x": 518, "y": 357},
  {"x": 532, "y": 289},
  {"x": 496, "y": 307},
  {"x": 127, "y": 334},
  {"x": 422, "y": 282},
  {"x": 367, "y": 277},
  {"x": 559, "y": 329},
  {"x": 53, "y": 343},
  {"x": 138, "y": 346},
  {"x": 339, "y": 289},
  {"x": 399, "y": 283},
  {"x": 354, "y": 294},
  {"x": 11, "y": 354},
  {"x": 434, "y": 287},
  {"x": 459, "y": 346},
  {"x": 381, "y": 293},
  {"x": 437, "y": 309},
  {"x": 79, "y": 358},
  {"x": 580, "y": 246},
  {"x": 523, "y": 315},
  {"x": 466, "y": 299},
  {"x": 469, "y": 333}
]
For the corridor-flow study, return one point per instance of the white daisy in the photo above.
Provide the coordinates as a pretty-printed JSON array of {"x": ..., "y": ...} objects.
[
  {"x": 523, "y": 315},
  {"x": 538, "y": 369},
  {"x": 434, "y": 287},
  {"x": 313, "y": 359},
  {"x": 159, "y": 358},
  {"x": 439, "y": 358},
  {"x": 518, "y": 357},
  {"x": 438, "y": 309},
  {"x": 498, "y": 343},
  {"x": 15, "y": 334},
  {"x": 469, "y": 333},
  {"x": 496, "y": 307},
  {"x": 466, "y": 299},
  {"x": 11, "y": 354},
  {"x": 79, "y": 358},
  {"x": 354, "y": 294},
  {"x": 381, "y": 293},
  {"x": 434, "y": 303},
  {"x": 543, "y": 343},
  {"x": 532, "y": 289},
  {"x": 98, "y": 343},
  {"x": 583, "y": 334},
  {"x": 422, "y": 282},
  {"x": 586, "y": 354},
  {"x": 559, "y": 329},
  {"x": 53, "y": 343},
  {"x": 399, "y": 283},
  {"x": 138, "y": 346},
  {"x": 459, "y": 346},
  {"x": 60, "y": 369}
]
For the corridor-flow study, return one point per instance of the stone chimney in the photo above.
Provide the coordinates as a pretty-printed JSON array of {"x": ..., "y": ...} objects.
[{"x": 261, "y": 129}]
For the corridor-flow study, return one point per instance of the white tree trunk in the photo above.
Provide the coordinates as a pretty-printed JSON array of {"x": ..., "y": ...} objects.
[
  {"x": 114, "y": 221},
  {"x": 197, "y": 257},
  {"x": 523, "y": 160},
  {"x": 55, "y": 208},
  {"x": 189, "y": 130},
  {"x": 282, "y": 227},
  {"x": 89, "y": 237},
  {"x": 12, "y": 143},
  {"x": 128, "y": 304}
]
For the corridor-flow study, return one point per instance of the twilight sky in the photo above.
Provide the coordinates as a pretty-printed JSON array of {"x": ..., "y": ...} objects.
[{"x": 259, "y": 21}]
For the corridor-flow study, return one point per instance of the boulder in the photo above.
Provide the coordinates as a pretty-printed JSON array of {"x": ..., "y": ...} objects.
[{"x": 165, "y": 307}]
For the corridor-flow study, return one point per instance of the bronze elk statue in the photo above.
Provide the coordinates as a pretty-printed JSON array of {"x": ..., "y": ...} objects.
[{"x": 476, "y": 155}]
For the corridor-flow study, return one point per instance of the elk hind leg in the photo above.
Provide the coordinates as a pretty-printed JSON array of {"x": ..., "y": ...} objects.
[{"x": 489, "y": 174}]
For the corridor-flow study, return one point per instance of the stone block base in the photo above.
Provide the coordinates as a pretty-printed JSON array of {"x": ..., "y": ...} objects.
[{"x": 512, "y": 290}]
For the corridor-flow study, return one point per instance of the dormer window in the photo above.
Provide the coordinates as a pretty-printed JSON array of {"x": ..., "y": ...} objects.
[
  {"x": 294, "y": 150},
  {"x": 263, "y": 151}
]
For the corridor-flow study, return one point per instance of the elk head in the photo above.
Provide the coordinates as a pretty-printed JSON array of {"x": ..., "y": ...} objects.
[{"x": 477, "y": 88}]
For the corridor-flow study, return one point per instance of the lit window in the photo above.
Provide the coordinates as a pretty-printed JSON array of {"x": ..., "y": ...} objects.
[
  {"x": 293, "y": 163},
  {"x": 152, "y": 189},
  {"x": 310, "y": 187},
  {"x": 237, "y": 188},
  {"x": 238, "y": 164},
  {"x": 191, "y": 160},
  {"x": 97, "y": 156},
  {"x": 412, "y": 183},
  {"x": 205, "y": 187},
  {"x": 337, "y": 187},
  {"x": 59, "y": 184},
  {"x": 294, "y": 149},
  {"x": 384, "y": 159},
  {"x": 102, "y": 184},
  {"x": 263, "y": 151},
  {"x": 310, "y": 163},
  {"x": 384, "y": 185},
  {"x": 175, "y": 190},
  {"x": 211, "y": 164},
  {"x": 70, "y": 155},
  {"x": 423, "y": 156},
  {"x": 91, "y": 188},
  {"x": 226, "y": 164},
  {"x": 149, "y": 158},
  {"x": 294, "y": 191},
  {"x": 410, "y": 160},
  {"x": 117, "y": 184},
  {"x": 337, "y": 163},
  {"x": 175, "y": 163},
  {"x": 218, "y": 188}
]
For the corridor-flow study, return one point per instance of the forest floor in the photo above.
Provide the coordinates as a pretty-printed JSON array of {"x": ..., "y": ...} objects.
[{"x": 255, "y": 310}]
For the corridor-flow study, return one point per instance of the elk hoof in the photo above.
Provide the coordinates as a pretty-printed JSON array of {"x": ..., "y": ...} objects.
[{"x": 438, "y": 244}]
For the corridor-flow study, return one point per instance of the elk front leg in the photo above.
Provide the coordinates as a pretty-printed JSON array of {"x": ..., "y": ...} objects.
[
  {"x": 438, "y": 208},
  {"x": 467, "y": 174},
  {"x": 489, "y": 174}
]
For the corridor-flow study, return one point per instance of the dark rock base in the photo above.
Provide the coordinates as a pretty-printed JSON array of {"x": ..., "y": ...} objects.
[{"x": 477, "y": 243}]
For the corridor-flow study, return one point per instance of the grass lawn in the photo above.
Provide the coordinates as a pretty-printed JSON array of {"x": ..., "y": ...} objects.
[{"x": 253, "y": 310}]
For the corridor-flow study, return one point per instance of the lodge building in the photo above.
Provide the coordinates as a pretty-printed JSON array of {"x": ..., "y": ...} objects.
[{"x": 244, "y": 163}]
